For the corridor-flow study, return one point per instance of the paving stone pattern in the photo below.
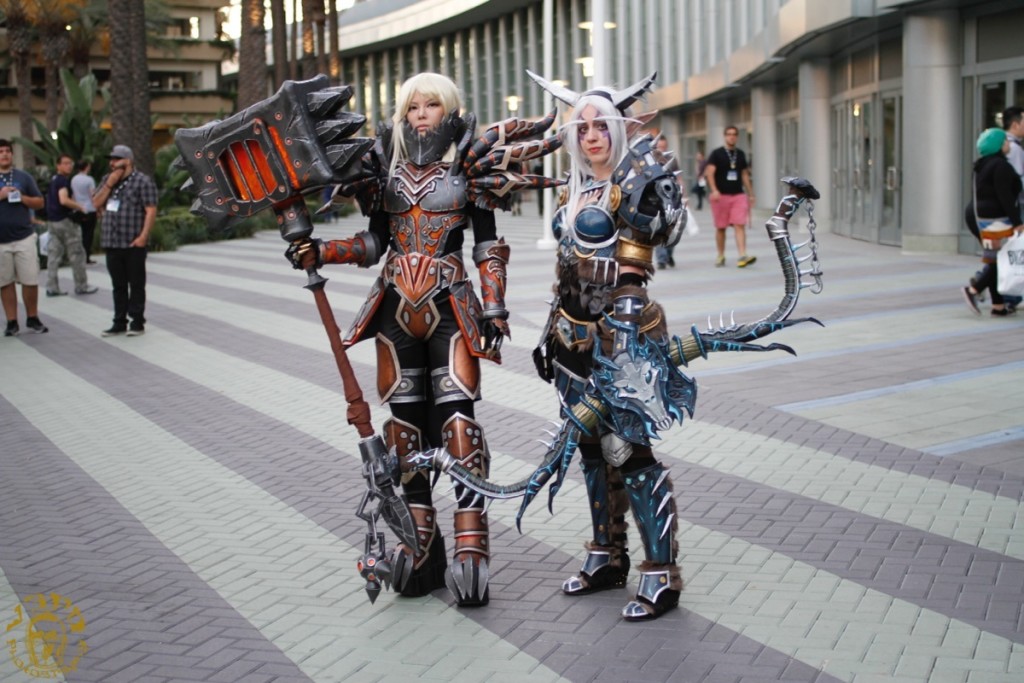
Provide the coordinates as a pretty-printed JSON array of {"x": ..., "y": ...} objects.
[{"x": 850, "y": 514}]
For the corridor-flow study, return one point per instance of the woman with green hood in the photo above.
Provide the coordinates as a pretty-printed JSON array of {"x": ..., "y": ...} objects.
[{"x": 993, "y": 214}]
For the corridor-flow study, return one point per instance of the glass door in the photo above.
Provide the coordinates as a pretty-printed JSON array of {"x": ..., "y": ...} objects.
[
  {"x": 863, "y": 185},
  {"x": 889, "y": 229},
  {"x": 841, "y": 192}
]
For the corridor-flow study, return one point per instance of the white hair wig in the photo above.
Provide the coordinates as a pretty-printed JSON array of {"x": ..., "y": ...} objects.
[
  {"x": 429, "y": 85},
  {"x": 580, "y": 169}
]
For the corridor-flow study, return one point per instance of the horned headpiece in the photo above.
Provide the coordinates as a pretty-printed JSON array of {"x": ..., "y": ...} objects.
[{"x": 622, "y": 99}]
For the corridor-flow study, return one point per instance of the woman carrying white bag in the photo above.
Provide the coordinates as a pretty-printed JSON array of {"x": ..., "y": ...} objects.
[{"x": 993, "y": 216}]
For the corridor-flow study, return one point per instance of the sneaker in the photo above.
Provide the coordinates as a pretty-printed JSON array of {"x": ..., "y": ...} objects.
[
  {"x": 980, "y": 296},
  {"x": 114, "y": 331},
  {"x": 719, "y": 262},
  {"x": 745, "y": 261},
  {"x": 971, "y": 299},
  {"x": 54, "y": 292},
  {"x": 136, "y": 331},
  {"x": 671, "y": 262},
  {"x": 661, "y": 266},
  {"x": 87, "y": 289},
  {"x": 12, "y": 329},
  {"x": 36, "y": 325},
  {"x": 1003, "y": 312}
]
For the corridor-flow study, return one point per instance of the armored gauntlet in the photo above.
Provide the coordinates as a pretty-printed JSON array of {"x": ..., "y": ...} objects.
[{"x": 492, "y": 260}]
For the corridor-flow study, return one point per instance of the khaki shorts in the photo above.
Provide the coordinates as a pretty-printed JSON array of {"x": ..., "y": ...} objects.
[{"x": 19, "y": 262}]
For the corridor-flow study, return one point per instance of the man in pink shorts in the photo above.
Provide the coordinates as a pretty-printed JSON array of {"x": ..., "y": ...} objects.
[{"x": 728, "y": 175}]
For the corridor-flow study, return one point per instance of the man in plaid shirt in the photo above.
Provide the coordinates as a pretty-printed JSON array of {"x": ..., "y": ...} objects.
[{"x": 128, "y": 199}]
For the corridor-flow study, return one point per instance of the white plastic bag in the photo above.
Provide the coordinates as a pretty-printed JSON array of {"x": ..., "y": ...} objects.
[
  {"x": 691, "y": 229},
  {"x": 44, "y": 243},
  {"x": 1010, "y": 264}
]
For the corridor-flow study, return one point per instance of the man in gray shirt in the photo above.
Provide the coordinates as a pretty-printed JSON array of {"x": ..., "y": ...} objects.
[{"x": 82, "y": 188}]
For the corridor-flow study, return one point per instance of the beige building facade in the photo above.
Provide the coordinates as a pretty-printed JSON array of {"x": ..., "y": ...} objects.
[{"x": 878, "y": 102}]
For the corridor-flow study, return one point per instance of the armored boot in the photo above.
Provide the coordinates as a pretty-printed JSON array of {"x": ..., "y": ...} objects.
[
  {"x": 607, "y": 563},
  {"x": 417, "y": 571},
  {"x": 654, "y": 508},
  {"x": 468, "y": 575}
]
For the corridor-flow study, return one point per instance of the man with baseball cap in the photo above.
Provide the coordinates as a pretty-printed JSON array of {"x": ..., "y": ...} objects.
[{"x": 128, "y": 198}]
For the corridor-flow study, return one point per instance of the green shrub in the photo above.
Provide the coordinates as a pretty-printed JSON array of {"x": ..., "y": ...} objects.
[
  {"x": 163, "y": 236},
  {"x": 176, "y": 226}
]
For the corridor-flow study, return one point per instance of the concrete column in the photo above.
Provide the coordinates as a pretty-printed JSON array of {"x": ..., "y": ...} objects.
[
  {"x": 506, "y": 87},
  {"x": 814, "y": 139},
  {"x": 715, "y": 122},
  {"x": 489, "y": 113},
  {"x": 474, "y": 71},
  {"x": 765, "y": 147},
  {"x": 931, "y": 114},
  {"x": 600, "y": 42}
]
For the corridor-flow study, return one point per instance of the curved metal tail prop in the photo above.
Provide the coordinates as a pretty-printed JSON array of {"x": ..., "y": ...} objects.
[
  {"x": 737, "y": 337},
  {"x": 585, "y": 416}
]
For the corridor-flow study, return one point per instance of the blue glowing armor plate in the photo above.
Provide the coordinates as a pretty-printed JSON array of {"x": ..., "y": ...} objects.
[
  {"x": 645, "y": 391},
  {"x": 652, "y": 202}
]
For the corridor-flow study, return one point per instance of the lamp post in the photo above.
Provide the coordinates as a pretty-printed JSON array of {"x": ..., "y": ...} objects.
[{"x": 547, "y": 237}]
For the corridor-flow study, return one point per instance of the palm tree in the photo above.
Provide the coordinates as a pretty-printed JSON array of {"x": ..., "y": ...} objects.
[
  {"x": 279, "y": 37},
  {"x": 308, "y": 66},
  {"x": 19, "y": 39},
  {"x": 129, "y": 80},
  {"x": 52, "y": 18},
  {"x": 332, "y": 27},
  {"x": 89, "y": 29},
  {"x": 252, "y": 55}
]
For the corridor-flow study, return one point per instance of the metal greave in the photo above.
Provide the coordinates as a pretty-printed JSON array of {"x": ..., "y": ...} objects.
[{"x": 654, "y": 509}]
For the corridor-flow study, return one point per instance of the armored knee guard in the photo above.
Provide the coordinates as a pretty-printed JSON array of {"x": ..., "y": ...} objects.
[
  {"x": 468, "y": 576},
  {"x": 654, "y": 508},
  {"x": 607, "y": 562},
  {"x": 419, "y": 570}
]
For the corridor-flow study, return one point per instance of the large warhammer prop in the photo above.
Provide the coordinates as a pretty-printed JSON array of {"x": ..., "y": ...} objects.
[{"x": 269, "y": 156}]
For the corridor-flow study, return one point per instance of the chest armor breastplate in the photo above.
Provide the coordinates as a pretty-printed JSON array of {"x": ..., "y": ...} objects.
[
  {"x": 587, "y": 267},
  {"x": 424, "y": 205}
]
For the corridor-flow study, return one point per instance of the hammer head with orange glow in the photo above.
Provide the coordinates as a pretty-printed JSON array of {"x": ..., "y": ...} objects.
[{"x": 271, "y": 154}]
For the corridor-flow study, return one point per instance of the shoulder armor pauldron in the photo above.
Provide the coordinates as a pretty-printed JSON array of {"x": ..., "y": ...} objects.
[{"x": 651, "y": 201}]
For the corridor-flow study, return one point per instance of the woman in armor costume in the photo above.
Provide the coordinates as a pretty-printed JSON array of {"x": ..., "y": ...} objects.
[
  {"x": 428, "y": 182},
  {"x": 620, "y": 205}
]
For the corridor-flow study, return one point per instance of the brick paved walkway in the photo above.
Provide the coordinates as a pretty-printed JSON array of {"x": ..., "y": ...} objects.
[{"x": 852, "y": 514}]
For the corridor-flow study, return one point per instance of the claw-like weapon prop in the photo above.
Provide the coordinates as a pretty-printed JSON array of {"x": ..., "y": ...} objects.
[
  {"x": 591, "y": 411},
  {"x": 268, "y": 156}
]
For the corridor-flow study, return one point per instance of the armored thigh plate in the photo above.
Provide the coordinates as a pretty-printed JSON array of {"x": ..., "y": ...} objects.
[
  {"x": 396, "y": 384},
  {"x": 460, "y": 379}
]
